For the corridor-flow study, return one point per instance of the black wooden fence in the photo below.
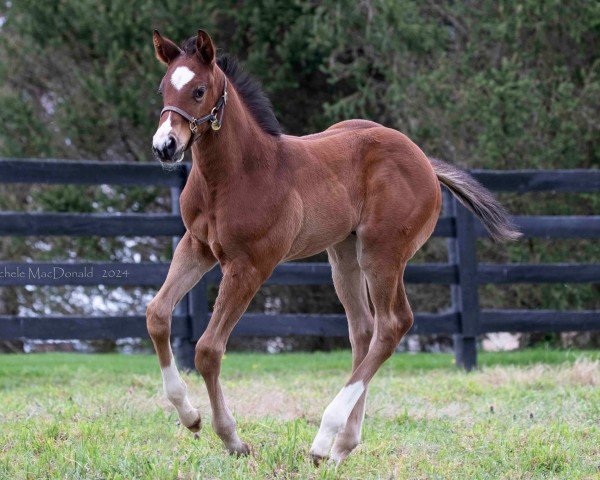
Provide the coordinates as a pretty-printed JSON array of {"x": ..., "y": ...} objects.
[{"x": 465, "y": 320}]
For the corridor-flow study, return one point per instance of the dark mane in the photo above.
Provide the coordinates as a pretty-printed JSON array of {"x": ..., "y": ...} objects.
[{"x": 249, "y": 89}]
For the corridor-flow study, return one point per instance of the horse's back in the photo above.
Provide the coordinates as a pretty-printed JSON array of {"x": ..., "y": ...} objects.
[{"x": 336, "y": 129}]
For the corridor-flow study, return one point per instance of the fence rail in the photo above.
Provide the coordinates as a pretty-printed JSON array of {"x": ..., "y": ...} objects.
[{"x": 465, "y": 320}]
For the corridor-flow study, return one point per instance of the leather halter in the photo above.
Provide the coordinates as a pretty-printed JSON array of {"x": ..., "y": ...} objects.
[{"x": 213, "y": 117}]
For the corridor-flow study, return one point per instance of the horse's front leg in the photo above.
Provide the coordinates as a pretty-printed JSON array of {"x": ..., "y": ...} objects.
[
  {"x": 190, "y": 261},
  {"x": 241, "y": 280}
]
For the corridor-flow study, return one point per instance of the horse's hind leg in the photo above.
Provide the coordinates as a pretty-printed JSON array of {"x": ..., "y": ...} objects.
[
  {"x": 383, "y": 266},
  {"x": 351, "y": 287},
  {"x": 190, "y": 261}
]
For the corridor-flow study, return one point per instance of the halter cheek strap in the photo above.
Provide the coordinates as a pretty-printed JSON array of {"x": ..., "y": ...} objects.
[{"x": 212, "y": 117}]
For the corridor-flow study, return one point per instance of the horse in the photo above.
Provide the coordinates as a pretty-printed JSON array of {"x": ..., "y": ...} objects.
[{"x": 256, "y": 197}]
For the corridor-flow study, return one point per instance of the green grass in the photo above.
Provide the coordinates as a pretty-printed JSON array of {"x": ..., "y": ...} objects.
[{"x": 529, "y": 414}]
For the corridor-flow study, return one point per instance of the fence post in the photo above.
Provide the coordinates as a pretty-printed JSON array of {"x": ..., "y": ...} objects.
[
  {"x": 462, "y": 251},
  {"x": 183, "y": 347}
]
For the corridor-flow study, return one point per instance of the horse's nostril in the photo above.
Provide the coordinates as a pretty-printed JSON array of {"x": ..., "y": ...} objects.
[{"x": 170, "y": 147}]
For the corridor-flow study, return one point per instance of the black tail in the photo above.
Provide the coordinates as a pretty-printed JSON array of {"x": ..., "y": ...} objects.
[{"x": 478, "y": 200}]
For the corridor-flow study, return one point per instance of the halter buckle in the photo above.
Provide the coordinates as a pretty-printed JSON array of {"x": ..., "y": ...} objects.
[
  {"x": 214, "y": 123},
  {"x": 193, "y": 126}
]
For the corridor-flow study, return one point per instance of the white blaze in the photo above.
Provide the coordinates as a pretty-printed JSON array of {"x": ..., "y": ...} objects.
[
  {"x": 161, "y": 137},
  {"x": 335, "y": 417},
  {"x": 181, "y": 76}
]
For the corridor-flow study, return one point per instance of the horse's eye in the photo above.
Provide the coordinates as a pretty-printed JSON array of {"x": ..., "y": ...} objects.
[{"x": 199, "y": 92}]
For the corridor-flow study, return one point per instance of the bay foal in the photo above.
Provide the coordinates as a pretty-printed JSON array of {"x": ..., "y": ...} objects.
[{"x": 256, "y": 198}]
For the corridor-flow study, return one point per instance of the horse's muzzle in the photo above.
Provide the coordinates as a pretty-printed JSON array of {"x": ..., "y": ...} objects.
[{"x": 167, "y": 152}]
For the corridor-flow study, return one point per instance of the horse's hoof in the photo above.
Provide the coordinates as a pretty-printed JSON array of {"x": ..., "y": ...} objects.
[
  {"x": 245, "y": 450},
  {"x": 317, "y": 459},
  {"x": 196, "y": 426},
  {"x": 240, "y": 450}
]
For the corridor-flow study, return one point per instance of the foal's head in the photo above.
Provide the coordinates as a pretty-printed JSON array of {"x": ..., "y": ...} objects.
[{"x": 192, "y": 88}]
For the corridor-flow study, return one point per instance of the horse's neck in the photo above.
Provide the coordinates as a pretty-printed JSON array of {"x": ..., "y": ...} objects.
[{"x": 240, "y": 147}]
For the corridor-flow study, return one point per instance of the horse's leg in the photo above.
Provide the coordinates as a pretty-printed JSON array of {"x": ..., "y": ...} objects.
[
  {"x": 351, "y": 287},
  {"x": 190, "y": 261},
  {"x": 241, "y": 280},
  {"x": 393, "y": 318}
]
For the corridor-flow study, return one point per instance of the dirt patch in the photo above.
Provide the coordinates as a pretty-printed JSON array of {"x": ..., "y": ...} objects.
[{"x": 582, "y": 372}]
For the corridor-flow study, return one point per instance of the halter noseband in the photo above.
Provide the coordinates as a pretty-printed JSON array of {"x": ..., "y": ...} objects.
[{"x": 212, "y": 117}]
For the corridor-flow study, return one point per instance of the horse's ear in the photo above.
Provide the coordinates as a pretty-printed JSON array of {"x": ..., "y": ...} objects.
[
  {"x": 166, "y": 50},
  {"x": 205, "y": 47}
]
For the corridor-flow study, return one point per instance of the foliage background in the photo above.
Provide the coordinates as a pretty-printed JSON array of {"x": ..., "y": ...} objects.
[{"x": 480, "y": 83}]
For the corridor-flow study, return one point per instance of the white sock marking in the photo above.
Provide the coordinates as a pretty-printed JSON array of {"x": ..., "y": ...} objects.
[
  {"x": 181, "y": 76},
  {"x": 335, "y": 417},
  {"x": 176, "y": 391}
]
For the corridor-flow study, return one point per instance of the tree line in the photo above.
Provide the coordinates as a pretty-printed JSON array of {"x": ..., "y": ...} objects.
[{"x": 480, "y": 83}]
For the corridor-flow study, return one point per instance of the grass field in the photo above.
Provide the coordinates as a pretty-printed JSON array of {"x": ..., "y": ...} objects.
[{"x": 530, "y": 414}]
